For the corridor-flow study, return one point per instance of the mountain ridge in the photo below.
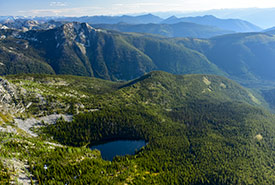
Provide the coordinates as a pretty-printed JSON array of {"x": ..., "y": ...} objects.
[
  {"x": 181, "y": 29},
  {"x": 236, "y": 25},
  {"x": 77, "y": 48},
  {"x": 114, "y": 55}
]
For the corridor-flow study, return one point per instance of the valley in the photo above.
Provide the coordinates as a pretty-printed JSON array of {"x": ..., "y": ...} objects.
[
  {"x": 79, "y": 49},
  {"x": 190, "y": 99}
]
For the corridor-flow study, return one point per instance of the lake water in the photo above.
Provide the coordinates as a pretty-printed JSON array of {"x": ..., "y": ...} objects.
[{"x": 120, "y": 147}]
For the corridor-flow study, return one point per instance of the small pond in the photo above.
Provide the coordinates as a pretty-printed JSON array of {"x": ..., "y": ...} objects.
[{"x": 120, "y": 147}]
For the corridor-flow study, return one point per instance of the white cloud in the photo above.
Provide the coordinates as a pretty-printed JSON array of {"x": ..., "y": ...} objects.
[
  {"x": 65, "y": 9},
  {"x": 58, "y": 4}
]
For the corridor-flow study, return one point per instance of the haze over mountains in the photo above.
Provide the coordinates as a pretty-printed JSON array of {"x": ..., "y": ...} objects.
[
  {"x": 258, "y": 16},
  {"x": 235, "y": 25}
]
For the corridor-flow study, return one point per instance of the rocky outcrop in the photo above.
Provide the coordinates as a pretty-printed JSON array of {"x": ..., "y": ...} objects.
[
  {"x": 8, "y": 93},
  {"x": 10, "y": 98}
]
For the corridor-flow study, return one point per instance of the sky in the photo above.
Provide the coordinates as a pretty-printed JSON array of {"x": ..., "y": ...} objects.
[{"x": 119, "y": 7}]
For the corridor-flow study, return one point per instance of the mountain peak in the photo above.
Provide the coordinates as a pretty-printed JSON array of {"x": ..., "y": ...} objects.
[
  {"x": 148, "y": 15},
  {"x": 76, "y": 26},
  {"x": 209, "y": 16},
  {"x": 76, "y": 29},
  {"x": 172, "y": 18}
]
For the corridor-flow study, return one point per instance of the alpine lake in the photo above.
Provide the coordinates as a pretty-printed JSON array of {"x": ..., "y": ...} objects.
[{"x": 119, "y": 148}]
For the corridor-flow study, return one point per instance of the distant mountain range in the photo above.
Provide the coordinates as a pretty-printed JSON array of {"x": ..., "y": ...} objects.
[
  {"x": 142, "y": 19},
  {"x": 236, "y": 25},
  {"x": 259, "y": 16},
  {"x": 182, "y": 29},
  {"x": 233, "y": 25},
  {"x": 270, "y": 30},
  {"x": 26, "y": 24}
]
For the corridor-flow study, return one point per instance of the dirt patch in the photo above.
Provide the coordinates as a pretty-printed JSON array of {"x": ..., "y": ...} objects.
[
  {"x": 222, "y": 85},
  {"x": 27, "y": 124},
  {"x": 206, "y": 81},
  {"x": 20, "y": 174},
  {"x": 259, "y": 137},
  {"x": 253, "y": 98},
  {"x": 8, "y": 129}
]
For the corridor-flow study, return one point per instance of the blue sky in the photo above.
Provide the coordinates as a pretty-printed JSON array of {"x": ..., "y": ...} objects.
[{"x": 116, "y": 7}]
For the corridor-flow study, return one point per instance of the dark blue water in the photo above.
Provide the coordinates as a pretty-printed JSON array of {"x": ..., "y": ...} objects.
[{"x": 120, "y": 147}]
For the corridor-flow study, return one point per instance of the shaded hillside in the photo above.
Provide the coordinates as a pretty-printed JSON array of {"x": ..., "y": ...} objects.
[
  {"x": 269, "y": 96},
  {"x": 17, "y": 57},
  {"x": 247, "y": 57}
]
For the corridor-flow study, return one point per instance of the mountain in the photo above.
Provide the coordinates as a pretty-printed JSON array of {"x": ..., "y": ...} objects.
[
  {"x": 141, "y": 19},
  {"x": 270, "y": 30},
  {"x": 199, "y": 129},
  {"x": 29, "y": 24},
  {"x": 256, "y": 16},
  {"x": 246, "y": 57},
  {"x": 79, "y": 49},
  {"x": 17, "y": 57},
  {"x": 235, "y": 25},
  {"x": 182, "y": 29},
  {"x": 3, "y": 27}
]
